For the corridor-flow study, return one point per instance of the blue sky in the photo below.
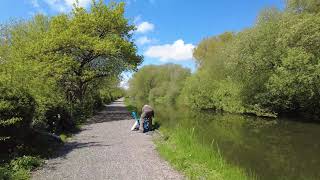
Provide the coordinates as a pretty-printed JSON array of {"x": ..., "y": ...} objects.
[{"x": 168, "y": 30}]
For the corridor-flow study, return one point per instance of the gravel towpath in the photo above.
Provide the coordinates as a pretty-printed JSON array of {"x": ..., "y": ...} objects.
[{"x": 107, "y": 149}]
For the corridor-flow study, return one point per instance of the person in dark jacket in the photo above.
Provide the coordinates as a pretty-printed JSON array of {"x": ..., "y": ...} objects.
[{"x": 147, "y": 113}]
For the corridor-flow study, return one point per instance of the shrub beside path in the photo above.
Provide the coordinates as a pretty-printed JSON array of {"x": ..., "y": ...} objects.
[{"x": 107, "y": 149}]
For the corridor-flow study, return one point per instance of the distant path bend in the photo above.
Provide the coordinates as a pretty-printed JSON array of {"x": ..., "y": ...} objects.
[{"x": 107, "y": 149}]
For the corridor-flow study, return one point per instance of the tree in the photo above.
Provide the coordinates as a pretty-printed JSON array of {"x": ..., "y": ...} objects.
[
  {"x": 268, "y": 69},
  {"x": 301, "y": 6},
  {"x": 63, "y": 61},
  {"x": 89, "y": 46},
  {"x": 157, "y": 84}
]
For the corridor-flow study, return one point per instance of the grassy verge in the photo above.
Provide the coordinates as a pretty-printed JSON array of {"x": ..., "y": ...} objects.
[
  {"x": 197, "y": 161},
  {"x": 19, "y": 168}
]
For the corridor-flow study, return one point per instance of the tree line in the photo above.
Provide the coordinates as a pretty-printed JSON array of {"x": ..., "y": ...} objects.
[
  {"x": 157, "y": 84},
  {"x": 270, "y": 69},
  {"x": 57, "y": 70}
]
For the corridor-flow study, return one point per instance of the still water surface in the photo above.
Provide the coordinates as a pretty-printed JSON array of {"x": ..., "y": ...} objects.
[{"x": 271, "y": 149}]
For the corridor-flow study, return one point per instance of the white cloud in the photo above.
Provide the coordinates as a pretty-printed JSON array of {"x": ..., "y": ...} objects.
[
  {"x": 125, "y": 80},
  {"x": 143, "y": 40},
  {"x": 124, "y": 84},
  {"x": 145, "y": 27},
  {"x": 66, "y": 5},
  {"x": 37, "y": 9},
  {"x": 129, "y": 2},
  {"x": 178, "y": 51},
  {"x": 82, "y": 3},
  {"x": 137, "y": 19},
  {"x": 35, "y": 3}
]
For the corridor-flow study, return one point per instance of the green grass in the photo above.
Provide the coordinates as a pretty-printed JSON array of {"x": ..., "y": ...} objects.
[
  {"x": 197, "y": 161},
  {"x": 20, "y": 168},
  {"x": 64, "y": 137}
]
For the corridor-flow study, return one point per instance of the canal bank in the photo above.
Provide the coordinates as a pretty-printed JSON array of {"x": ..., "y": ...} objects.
[{"x": 227, "y": 146}]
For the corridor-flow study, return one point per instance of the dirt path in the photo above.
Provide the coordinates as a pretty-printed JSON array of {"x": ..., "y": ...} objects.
[{"x": 107, "y": 149}]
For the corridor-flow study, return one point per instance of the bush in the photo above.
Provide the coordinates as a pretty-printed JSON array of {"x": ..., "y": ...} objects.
[
  {"x": 25, "y": 162},
  {"x": 216, "y": 95},
  {"x": 19, "y": 168},
  {"x": 4, "y": 173},
  {"x": 17, "y": 108},
  {"x": 20, "y": 174}
]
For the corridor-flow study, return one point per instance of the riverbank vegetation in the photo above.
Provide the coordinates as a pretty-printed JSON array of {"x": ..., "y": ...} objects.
[
  {"x": 196, "y": 160},
  {"x": 56, "y": 71},
  {"x": 269, "y": 69},
  {"x": 187, "y": 152}
]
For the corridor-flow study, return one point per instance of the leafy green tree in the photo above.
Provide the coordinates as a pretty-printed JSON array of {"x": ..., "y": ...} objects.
[
  {"x": 301, "y": 6},
  {"x": 211, "y": 86},
  {"x": 89, "y": 46},
  {"x": 65, "y": 61},
  {"x": 21, "y": 70},
  {"x": 294, "y": 85},
  {"x": 157, "y": 84}
]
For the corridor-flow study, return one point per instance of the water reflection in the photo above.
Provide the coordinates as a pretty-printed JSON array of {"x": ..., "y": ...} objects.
[{"x": 271, "y": 149}]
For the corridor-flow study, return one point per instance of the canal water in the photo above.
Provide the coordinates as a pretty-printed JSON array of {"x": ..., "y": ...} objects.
[{"x": 270, "y": 149}]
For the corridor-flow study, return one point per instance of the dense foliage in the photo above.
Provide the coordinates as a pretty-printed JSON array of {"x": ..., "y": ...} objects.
[
  {"x": 157, "y": 84},
  {"x": 55, "y": 71},
  {"x": 269, "y": 69},
  {"x": 16, "y": 113}
]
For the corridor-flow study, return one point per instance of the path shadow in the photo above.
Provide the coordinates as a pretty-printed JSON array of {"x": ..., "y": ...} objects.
[
  {"x": 67, "y": 148},
  {"x": 113, "y": 112},
  {"x": 71, "y": 146}
]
